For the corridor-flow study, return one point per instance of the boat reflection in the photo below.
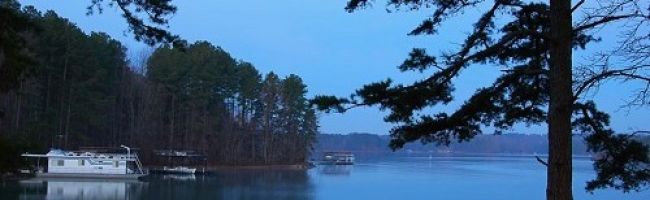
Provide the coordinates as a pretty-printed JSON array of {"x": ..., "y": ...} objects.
[
  {"x": 55, "y": 189},
  {"x": 180, "y": 177},
  {"x": 232, "y": 184},
  {"x": 224, "y": 184},
  {"x": 335, "y": 170}
]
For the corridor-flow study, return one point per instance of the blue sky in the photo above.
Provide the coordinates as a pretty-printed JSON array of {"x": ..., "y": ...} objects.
[{"x": 335, "y": 52}]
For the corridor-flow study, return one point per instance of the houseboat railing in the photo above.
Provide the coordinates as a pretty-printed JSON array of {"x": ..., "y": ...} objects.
[{"x": 139, "y": 164}]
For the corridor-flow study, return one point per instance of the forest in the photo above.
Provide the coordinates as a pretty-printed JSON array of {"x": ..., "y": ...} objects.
[{"x": 81, "y": 90}]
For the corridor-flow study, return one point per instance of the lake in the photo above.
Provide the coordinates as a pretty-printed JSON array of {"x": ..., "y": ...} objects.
[{"x": 455, "y": 178}]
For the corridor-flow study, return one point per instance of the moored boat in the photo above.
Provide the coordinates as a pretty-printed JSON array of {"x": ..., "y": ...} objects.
[
  {"x": 79, "y": 164},
  {"x": 338, "y": 158},
  {"x": 179, "y": 170},
  {"x": 180, "y": 161}
]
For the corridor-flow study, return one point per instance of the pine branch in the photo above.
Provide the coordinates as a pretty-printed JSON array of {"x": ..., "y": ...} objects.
[
  {"x": 577, "y": 5},
  {"x": 541, "y": 161},
  {"x": 604, "y": 20}
]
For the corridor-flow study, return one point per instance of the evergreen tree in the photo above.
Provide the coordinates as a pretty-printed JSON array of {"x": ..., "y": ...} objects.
[
  {"x": 293, "y": 104},
  {"x": 80, "y": 92},
  {"x": 535, "y": 46},
  {"x": 14, "y": 52},
  {"x": 249, "y": 91},
  {"x": 14, "y": 58}
]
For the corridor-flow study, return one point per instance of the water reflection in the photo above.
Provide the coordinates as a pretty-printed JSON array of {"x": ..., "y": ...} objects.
[
  {"x": 55, "y": 189},
  {"x": 335, "y": 170},
  {"x": 89, "y": 190},
  {"x": 232, "y": 184},
  {"x": 180, "y": 177},
  {"x": 225, "y": 184},
  {"x": 398, "y": 178}
]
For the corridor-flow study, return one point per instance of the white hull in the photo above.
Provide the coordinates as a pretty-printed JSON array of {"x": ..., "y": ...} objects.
[{"x": 179, "y": 170}]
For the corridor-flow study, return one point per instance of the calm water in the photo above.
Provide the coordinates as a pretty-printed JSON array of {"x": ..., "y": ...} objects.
[{"x": 397, "y": 178}]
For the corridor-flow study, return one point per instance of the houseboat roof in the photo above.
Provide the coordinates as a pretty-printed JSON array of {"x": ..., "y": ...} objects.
[
  {"x": 58, "y": 153},
  {"x": 338, "y": 152},
  {"x": 106, "y": 149},
  {"x": 178, "y": 153}
]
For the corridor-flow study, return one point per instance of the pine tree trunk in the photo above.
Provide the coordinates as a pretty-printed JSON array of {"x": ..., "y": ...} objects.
[
  {"x": 559, "y": 172},
  {"x": 67, "y": 123},
  {"x": 19, "y": 102},
  {"x": 65, "y": 86},
  {"x": 171, "y": 122}
]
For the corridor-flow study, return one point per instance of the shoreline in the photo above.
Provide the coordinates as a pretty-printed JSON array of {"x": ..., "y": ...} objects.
[
  {"x": 9, "y": 176},
  {"x": 14, "y": 177}
]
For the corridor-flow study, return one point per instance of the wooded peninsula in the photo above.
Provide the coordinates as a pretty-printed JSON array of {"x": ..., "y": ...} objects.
[{"x": 82, "y": 90}]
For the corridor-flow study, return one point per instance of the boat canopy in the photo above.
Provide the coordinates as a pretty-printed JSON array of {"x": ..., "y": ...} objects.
[{"x": 51, "y": 153}]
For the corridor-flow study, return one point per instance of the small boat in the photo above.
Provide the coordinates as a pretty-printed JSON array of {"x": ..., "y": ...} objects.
[
  {"x": 338, "y": 158},
  {"x": 179, "y": 160},
  {"x": 179, "y": 170},
  {"x": 93, "y": 165}
]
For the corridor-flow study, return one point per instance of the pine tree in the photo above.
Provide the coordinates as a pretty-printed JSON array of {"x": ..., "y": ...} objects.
[{"x": 535, "y": 48}]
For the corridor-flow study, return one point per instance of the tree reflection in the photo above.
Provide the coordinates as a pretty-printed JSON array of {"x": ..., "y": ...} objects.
[
  {"x": 224, "y": 184},
  {"x": 233, "y": 184}
]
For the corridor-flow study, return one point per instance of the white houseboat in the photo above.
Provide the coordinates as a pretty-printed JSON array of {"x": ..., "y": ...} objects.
[
  {"x": 338, "y": 158},
  {"x": 78, "y": 164}
]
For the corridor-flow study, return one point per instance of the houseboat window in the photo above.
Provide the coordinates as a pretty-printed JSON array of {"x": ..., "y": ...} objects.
[
  {"x": 59, "y": 163},
  {"x": 82, "y": 162},
  {"x": 116, "y": 163}
]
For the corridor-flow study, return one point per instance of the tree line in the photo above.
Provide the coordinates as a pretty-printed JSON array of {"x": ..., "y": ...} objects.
[
  {"x": 510, "y": 143},
  {"x": 80, "y": 90}
]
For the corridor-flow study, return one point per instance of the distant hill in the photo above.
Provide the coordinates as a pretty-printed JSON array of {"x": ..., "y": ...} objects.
[{"x": 519, "y": 144}]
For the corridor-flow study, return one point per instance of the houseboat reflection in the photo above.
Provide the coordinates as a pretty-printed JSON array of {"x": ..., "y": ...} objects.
[
  {"x": 336, "y": 170},
  {"x": 56, "y": 189}
]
